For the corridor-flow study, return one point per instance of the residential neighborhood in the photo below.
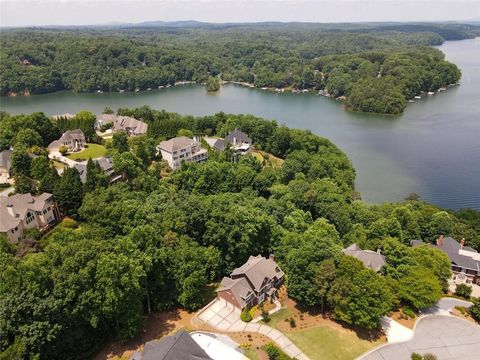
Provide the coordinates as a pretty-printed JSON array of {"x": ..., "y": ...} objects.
[
  {"x": 73, "y": 140},
  {"x": 181, "y": 149},
  {"x": 131, "y": 126}
]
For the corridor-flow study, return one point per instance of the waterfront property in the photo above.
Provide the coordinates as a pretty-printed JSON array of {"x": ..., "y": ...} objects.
[
  {"x": 180, "y": 149},
  {"x": 105, "y": 164},
  {"x": 252, "y": 283},
  {"x": 130, "y": 125},
  {"x": 74, "y": 140},
  {"x": 239, "y": 142},
  {"x": 465, "y": 260},
  {"x": 373, "y": 260},
  {"x": 21, "y": 212}
]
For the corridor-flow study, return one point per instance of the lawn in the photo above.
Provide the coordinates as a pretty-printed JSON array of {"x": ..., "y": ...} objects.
[
  {"x": 270, "y": 160},
  {"x": 321, "y": 339},
  {"x": 91, "y": 151}
]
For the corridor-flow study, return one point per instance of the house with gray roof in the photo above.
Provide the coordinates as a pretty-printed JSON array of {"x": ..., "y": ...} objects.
[
  {"x": 5, "y": 165},
  {"x": 252, "y": 283},
  {"x": 74, "y": 140},
  {"x": 373, "y": 260},
  {"x": 105, "y": 163},
  {"x": 130, "y": 125},
  {"x": 25, "y": 211},
  {"x": 215, "y": 143},
  {"x": 464, "y": 259},
  {"x": 181, "y": 149},
  {"x": 180, "y": 346}
]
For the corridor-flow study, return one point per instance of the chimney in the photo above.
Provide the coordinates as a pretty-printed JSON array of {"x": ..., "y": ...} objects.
[
  {"x": 10, "y": 210},
  {"x": 379, "y": 250},
  {"x": 440, "y": 241},
  {"x": 272, "y": 257},
  {"x": 462, "y": 243}
]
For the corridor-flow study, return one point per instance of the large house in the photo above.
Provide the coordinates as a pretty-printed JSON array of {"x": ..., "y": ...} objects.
[
  {"x": 239, "y": 142},
  {"x": 74, "y": 140},
  {"x": 252, "y": 283},
  {"x": 5, "y": 165},
  {"x": 373, "y": 260},
  {"x": 464, "y": 259},
  {"x": 130, "y": 125},
  {"x": 24, "y": 211},
  {"x": 180, "y": 149}
]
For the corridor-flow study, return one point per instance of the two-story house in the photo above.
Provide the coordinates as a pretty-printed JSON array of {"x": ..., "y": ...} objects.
[
  {"x": 180, "y": 149},
  {"x": 24, "y": 211},
  {"x": 252, "y": 283},
  {"x": 130, "y": 125},
  {"x": 74, "y": 140},
  {"x": 464, "y": 259}
]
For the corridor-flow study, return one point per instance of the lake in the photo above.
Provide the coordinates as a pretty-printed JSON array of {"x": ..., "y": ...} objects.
[{"x": 432, "y": 149}]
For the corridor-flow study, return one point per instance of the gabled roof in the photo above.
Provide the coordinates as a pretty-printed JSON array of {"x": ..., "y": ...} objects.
[
  {"x": 257, "y": 269},
  {"x": 240, "y": 288},
  {"x": 216, "y": 143},
  {"x": 177, "y": 143},
  {"x": 177, "y": 347},
  {"x": 452, "y": 248},
  {"x": 105, "y": 163},
  {"x": 238, "y": 136},
  {"x": 370, "y": 259},
  {"x": 131, "y": 124},
  {"x": 20, "y": 204}
]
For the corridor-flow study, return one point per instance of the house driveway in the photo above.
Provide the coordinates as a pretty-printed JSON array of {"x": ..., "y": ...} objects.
[
  {"x": 223, "y": 316},
  {"x": 449, "y": 338}
]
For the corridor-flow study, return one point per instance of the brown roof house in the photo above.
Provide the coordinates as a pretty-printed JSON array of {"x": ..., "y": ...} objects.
[
  {"x": 252, "y": 283},
  {"x": 130, "y": 125},
  {"x": 371, "y": 259},
  {"x": 24, "y": 211},
  {"x": 464, "y": 259},
  {"x": 74, "y": 140}
]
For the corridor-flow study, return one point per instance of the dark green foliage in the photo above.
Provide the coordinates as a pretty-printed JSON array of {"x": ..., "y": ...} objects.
[
  {"x": 213, "y": 84},
  {"x": 68, "y": 192},
  {"x": 416, "y": 356},
  {"x": 409, "y": 312},
  {"x": 49, "y": 181},
  {"x": 474, "y": 310},
  {"x": 39, "y": 168},
  {"x": 120, "y": 142},
  {"x": 20, "y": 162},
  {"x": 83, "y": 120},
  {"x": 463, "y": 290},
  {"x": 24, "y": 184}
]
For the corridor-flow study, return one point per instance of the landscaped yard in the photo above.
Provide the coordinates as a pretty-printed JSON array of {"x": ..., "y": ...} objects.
[
  {"x": 270, "y": 160},
  {"x": 320, "y": 338},
  {"x": 91, "y": 151}
]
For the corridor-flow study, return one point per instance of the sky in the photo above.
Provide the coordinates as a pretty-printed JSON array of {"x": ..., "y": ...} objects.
[{"x": 88, "y": 12}]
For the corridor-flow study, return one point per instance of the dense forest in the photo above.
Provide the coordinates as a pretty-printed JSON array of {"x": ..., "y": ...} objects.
[
  {"x": 378, "y": 68},
  {"x": 157, "y": 239}
]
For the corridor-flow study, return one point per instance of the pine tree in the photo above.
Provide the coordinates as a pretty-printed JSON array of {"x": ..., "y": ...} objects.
[{"x": 69, "y": 192}]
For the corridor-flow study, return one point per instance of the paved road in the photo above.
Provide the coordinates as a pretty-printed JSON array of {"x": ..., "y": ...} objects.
[
  {"x": 447, "y": 337},
  {"x": 444, "y": 305},
  {"x": 224, "y": 317}
]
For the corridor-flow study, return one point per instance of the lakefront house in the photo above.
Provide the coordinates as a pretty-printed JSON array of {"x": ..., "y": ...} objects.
[
  {"x": 25, "y": 211},
  {"x": 74, "y": 140},
  {"x": 238, "y": 141},
  {"x": 180, "y": 149},
  {"x": 130, "y": 125},
  {"x": 252, "y": 283},
  {"x": 373, "y": 260},
  {"x": 464, "y": 259}
]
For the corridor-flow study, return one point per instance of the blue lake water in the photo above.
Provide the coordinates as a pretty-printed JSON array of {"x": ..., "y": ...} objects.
[{"x": 432, "y": 149}]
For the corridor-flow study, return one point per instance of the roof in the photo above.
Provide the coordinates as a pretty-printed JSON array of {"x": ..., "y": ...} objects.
[
  {"x": 20, "y": 204},
  {"x": 176, "y": 144},
  {"x": 240, "y": 288},
  {"x": 126, "y": 123},
  {"x": 452, "y": 248},
  {"x": 370, "y": 259},
  {"x": 238, "y": 136},
  {"x": 76, "y": 135},
  {"x": 256, "y": 269},
  {"x": 105, "y": 163},
  {"x": 217, "y": 143},
  {"x": 180, "y": 346},
  {"x": 5, "y": 156}
]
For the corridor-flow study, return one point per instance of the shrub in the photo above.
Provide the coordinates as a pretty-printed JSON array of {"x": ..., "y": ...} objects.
[
  {"x": 245, "y": 315},
  {"x": 429, "y": 357},
  {"x": 409, "y": 312},
  {"x": 265, "y": 316},
  {"x": 272, "y": 351},
  {"x": 462, "y": 309},
  {"x": 416, "y": 356},
  {"x": 292, "y": 322},
  {"x": 474, "y": 310},
  {"x": 69, "y": 223},
  {"x": 463, "y": 290},
  {"x": 63, "y": 150}
]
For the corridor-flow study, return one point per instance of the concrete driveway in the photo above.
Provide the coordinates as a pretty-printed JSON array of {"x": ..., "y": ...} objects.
[
  {"x": 447, "y": 337},
  {"x": 223, "y": 316}
]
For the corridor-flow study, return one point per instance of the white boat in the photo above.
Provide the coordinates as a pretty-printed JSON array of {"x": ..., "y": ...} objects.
[
  {"x": 121, "y": 91},
  {"x": 149, "y": 89},
  {"x": 430, "y": 93},
  {"x": 411, "y": 101},
  {"x": 137, "y": 90},
  {"x": 418, "y": 97},
  {"x": 99, "y": 92},
  {"x": 160, "y": 87}
]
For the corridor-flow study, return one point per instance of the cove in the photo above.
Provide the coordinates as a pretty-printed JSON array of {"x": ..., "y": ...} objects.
[{"x": 432, "y": 149}]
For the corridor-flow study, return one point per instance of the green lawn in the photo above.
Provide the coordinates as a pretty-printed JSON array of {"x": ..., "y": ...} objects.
[
  {"x": 91, "y": 151},
  {"x": 325, "y": 342}
]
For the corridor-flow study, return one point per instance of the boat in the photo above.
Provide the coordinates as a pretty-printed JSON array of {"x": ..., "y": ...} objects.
[
  {"x": 418, "y": 97},
  {"x": 99, "y": 92},
  {"x": 430, "y": 93},
  {"x": 411, "y": 101},
  {"x": 121, "y": 91},
  {"x": 160, "y": 87},
  {"x": 137, "y": 90},
  {"x": 149, "y": 89}
]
